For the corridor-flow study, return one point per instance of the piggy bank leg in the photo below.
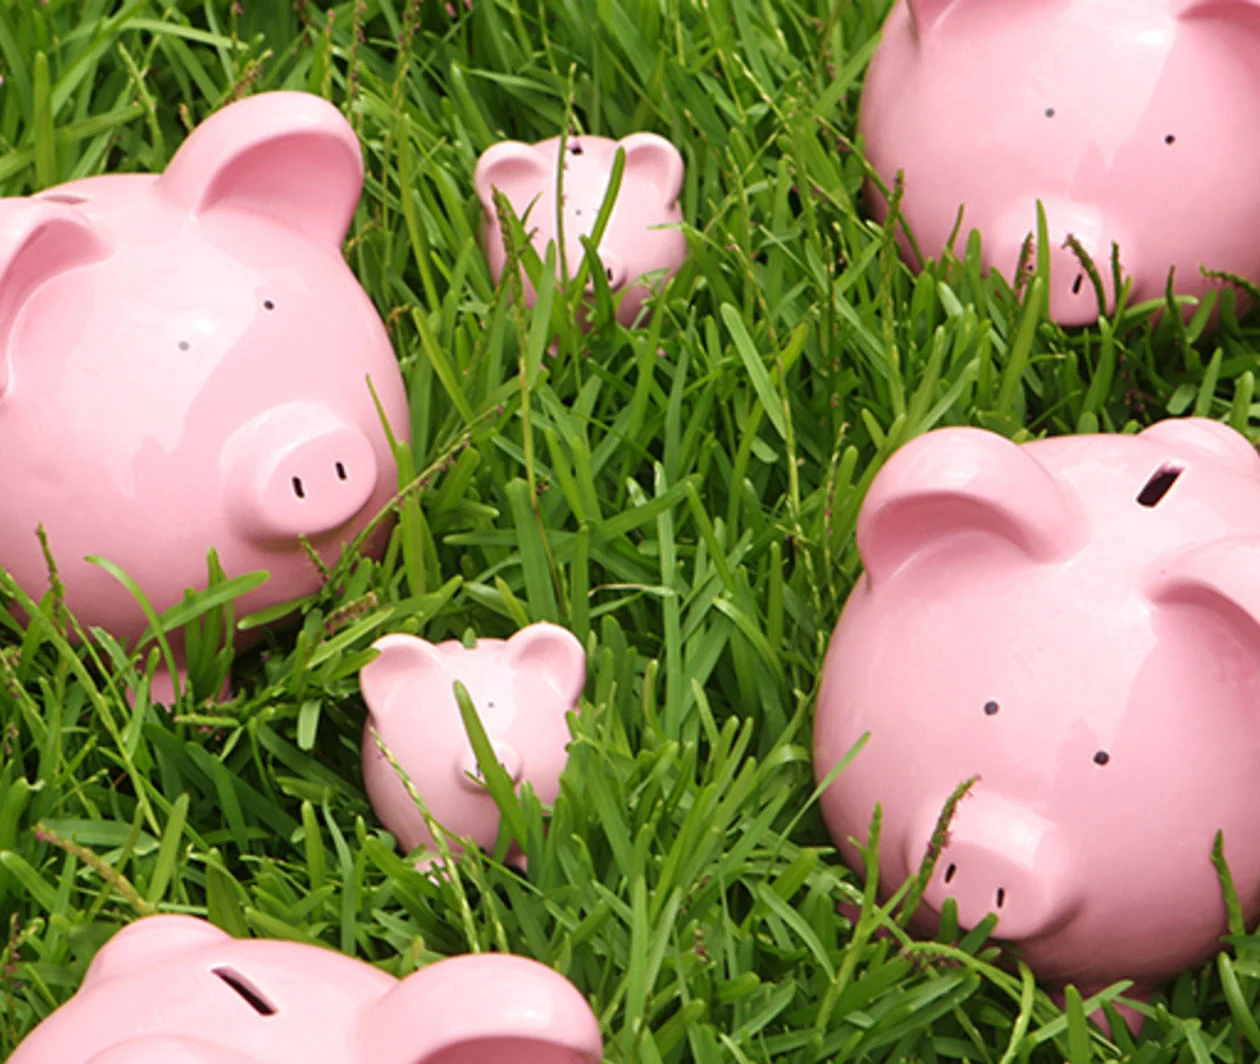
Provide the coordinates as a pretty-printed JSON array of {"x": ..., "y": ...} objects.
[
  {"x": 516, "y": 859},
  {"x": 160, "y": 1049},
  {"x": 162, "y": 686},
  {"x": 1128, "y": 1013}
]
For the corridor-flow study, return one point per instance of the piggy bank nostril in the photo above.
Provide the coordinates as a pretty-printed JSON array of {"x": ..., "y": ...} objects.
[
  {"x": 1001, "y": 897},
  {"x": 950, "y": 872},
  {"x": 1076, "y": 285},
  {"x": 341, "y": 471},
  {"x": 298, "y": 488}
]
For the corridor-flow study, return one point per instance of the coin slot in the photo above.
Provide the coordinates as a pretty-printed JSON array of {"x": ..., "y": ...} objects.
[
  {"x": 1158, "y": 486},
  {"x": 257, "y": 1001}
]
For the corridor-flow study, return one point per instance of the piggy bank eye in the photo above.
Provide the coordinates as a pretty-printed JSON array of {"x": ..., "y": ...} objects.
[
  {"x": 1101, "y": 757},
  {"x": 1049, "y": 112},
  {"x": 268, "y": 305},
  {"x": 1170, "y": 139},
  {"x": 991, "y": 709}
]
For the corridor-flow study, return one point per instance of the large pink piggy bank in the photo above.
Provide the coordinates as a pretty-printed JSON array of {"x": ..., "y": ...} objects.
[
  {"x": 1135, "y": 122},
  {"x": 632, "y": 244},
  {"x": 177, "y": 990},
  {"x": 522, "y": 689},
  {"x": 1076, "y": 622},
  {"x": 184, "y": 364}
]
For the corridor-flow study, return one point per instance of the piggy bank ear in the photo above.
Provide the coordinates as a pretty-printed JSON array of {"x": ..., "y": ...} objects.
[
  {"x": 160, "y": 1049},
  {"x": 38, "y": 240},
  {"x": 517, "y": 170},
  {"x": 149, "y": 940},
  {"x": 289, "y": 156},
  {"x": 402, "y": 658},
  {"x": 1199, "y": 435},
  {"x": 1223, "y": 576},
  {"x": 552, "y": 652},
  {"x": 956, "y": 481},
  {"x": 483, "y": 1007},
  {"x": 1238, "y": 14},
  {"x": 925, "y": 14},
  {"x": 655, "y": 160}
]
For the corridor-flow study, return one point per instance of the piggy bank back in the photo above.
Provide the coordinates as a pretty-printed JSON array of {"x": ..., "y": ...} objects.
[
  {"x": 522, "y": 689},
  {"x": 1075, "y": 623},
  {"x": 1134, "y": 122},
  {"x": 631, "y": 246},
  {"x": 184, "y": 364},
  {"x": 177, "y": 990}
]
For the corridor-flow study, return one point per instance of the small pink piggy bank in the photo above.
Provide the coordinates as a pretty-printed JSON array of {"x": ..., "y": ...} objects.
[
  {"x": 177, "y": 990},
  {"x": 184, "y": 364},
  {"x": 632, "y": 243},
  {"x": 522, "y": 688},
  {"x": 1076, "y": 622},
  {"x": 1135, "y": 122}
]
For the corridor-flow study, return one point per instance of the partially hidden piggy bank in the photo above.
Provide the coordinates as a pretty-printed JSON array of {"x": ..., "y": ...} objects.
[
  {"x": 184, "y": 364},
  {"x": 522, "y": 688},
  {"x": 177, "y": 990},
  {"x": 1076, "y": 622},
  {"x": 1134, "y": 122},
  {"x": 633, "y": 243}
]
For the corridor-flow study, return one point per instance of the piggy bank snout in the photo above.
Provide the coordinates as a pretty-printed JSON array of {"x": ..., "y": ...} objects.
[
  {"x": 1073, "y": 297},
  {"x": 1003, "y": 859},
  {"x": 301, "y": 471},
  {"x": 470, "y": 774},
  {"x": 615, "y": 271}
]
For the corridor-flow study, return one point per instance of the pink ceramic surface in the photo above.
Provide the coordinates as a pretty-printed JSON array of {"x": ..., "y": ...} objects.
[
  {"x": 522, "y": 688},
  {"x": 184, "y": 362},
  {"x": 631, "y": 246},
  {"x": 1076, "y": 622},
  {"x": 177, "y": 990},
  {"x": 1135, "y": 122}
]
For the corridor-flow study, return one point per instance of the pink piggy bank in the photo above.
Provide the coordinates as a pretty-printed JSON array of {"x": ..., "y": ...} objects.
[
  {"x": 632, "y": 244},
  {"x": 177, "y": 990},
  {"x": 1076, "y": 622},
  {"x": 1134, "y": 122},
  {"x": 522, "y": 688},
  {"x": 184, "y": 364}
]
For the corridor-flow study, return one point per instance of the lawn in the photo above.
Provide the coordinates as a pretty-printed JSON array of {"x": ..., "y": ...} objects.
[{"x": 681, "y": 495}]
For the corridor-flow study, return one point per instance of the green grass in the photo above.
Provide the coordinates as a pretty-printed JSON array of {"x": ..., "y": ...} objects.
[{"x": 683, "y": 496}]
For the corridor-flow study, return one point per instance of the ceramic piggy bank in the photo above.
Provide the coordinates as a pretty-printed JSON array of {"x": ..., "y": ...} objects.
[
  {"x": 1076, "y": 623},
  {"x": 184, "y": 364},
  {"x": 522, "y": 689},
  {"x": 1134, "y": 122},
  {"x": 632, "y": 244},
  {"x": 177, "y": 990}
]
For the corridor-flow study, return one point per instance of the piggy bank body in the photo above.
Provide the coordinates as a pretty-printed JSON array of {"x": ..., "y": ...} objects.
[
  {"x": 632, "y": 245},
  {"x": 522, "y": 688},
  {"x": 177, "y": 990},
  {"x": 1134, "y": 122},
  {"x": 184, "y": 364},
  {"x": 1075, "y": 624}
]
